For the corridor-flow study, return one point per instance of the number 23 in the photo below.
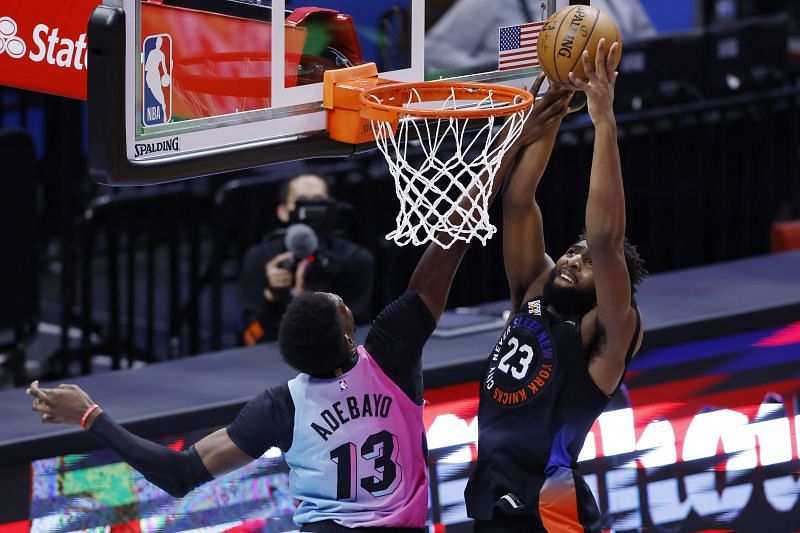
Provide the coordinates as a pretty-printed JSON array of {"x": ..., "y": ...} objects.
[{"x": 524, "y": 362}]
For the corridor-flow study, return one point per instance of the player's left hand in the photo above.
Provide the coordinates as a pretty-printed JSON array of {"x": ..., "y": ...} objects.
[
  {"x": 547, "y": 112},
  {"x": 601, "y": 81},
  {"x": 65, "y": 404}
]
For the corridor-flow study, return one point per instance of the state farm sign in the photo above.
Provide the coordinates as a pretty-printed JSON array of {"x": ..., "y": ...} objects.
[{"x": 44, "y": 50}]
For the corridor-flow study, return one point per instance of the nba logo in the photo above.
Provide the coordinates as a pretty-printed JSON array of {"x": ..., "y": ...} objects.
[{"x": 156, "y": 80}]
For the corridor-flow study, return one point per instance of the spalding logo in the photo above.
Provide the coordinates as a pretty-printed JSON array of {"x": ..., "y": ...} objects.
[{"x": 575, "y": 26}]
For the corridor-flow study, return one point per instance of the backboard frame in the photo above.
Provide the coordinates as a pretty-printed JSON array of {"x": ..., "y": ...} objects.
[
  {"x": 113, "y": 91},
  {"x": 119, "y": 155}
]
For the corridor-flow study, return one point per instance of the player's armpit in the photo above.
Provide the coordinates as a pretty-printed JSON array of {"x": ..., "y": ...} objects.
[
  {"x": 220, "y": 454},
  {"x": 611, "y": 355}
]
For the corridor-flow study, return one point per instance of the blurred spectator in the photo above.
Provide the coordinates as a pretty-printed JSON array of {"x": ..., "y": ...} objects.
[
  {"x": 466, "y": 36},
  {"x": 307, "y": 255},
  {"x": 720, "y": 11}
]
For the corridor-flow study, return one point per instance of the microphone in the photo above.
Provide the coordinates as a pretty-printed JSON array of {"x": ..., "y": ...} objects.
[{"x": 301, "y": 241}]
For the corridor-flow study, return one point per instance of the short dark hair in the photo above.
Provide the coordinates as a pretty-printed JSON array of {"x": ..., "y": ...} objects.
[
  {"x": 636, "y": 269},
  {"x": 310, "y": 336}
]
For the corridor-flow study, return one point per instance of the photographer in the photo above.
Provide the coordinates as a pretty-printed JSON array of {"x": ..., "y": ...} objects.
[{"x": 307, "y": 255}]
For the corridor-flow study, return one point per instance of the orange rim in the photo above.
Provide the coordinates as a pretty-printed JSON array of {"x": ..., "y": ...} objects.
[{"x": 387, "y": 100}]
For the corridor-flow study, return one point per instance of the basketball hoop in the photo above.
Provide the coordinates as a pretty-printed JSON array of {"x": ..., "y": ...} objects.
[
  {"x": 445, "y": 190},
  {"x": 445, "y": 185}
]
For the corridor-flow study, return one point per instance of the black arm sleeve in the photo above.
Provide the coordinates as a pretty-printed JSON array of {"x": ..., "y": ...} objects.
[
  {"x": 396, "y": 340},
  {"x": 175, "y": 472},
  {"x": 266, "y": 421}
]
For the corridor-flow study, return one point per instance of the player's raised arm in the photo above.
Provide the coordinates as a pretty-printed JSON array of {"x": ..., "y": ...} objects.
[
  {"x": 175, "y": 472},
  {"x": 523, "y": 239},
  {"x": 605, "y": 217},
  {"x": 437, "y": 267}
]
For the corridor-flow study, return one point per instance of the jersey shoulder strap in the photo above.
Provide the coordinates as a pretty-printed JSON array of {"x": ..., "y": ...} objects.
[{"x": 532, "y": 306}]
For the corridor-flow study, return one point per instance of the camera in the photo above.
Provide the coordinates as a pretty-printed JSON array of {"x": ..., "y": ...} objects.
[
  {"x": 312, "y": 225},
  {"x": 325, "y": 216},
  {"x": 321, "y": 214},
  {"x": 304, "y": 243}
]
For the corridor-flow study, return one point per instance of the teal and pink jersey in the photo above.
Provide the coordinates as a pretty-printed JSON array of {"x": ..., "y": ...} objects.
[
  {"x": 355, "y": 444},
  {"x": 357, "y": 454}
]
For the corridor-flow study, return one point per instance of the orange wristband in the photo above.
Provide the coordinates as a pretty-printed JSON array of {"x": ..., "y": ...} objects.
[{"x": 88, "y": 412}]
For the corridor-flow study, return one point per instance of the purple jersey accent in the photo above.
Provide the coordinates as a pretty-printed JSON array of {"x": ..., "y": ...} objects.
[{"x": 357, "y": 454}]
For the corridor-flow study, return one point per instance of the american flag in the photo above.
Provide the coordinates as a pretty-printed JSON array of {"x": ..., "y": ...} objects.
[{"x": 518, "y": 46}]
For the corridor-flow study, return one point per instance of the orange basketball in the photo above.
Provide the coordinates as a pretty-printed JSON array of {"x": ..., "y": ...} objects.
[{"x": 567, "y": 33}]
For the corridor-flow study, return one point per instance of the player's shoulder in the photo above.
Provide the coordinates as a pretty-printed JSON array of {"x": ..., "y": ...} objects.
[
  {"x": 594, "y": 334},
  {"x": 531, "y": 306},
  {"x": 278, "y": 394},
  {"x": 404, "y": 321},
  {"x": 410, "y": 307}
]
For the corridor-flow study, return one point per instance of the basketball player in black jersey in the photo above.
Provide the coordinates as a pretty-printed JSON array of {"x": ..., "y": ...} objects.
[
  {"x": 317, "y": 338},
  {"x": 567, "y": 345}
]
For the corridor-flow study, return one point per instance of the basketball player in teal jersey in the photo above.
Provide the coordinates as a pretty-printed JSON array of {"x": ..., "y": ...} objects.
[
  {"x": 566, "y": 347},
  {"x": 350, "y": 424}
]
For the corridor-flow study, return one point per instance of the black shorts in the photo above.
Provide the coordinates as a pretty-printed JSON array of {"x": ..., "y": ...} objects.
[
  {"x": 510, "y": 524},
  {"x": 565, "y": 504},
  {"x": 329, "y": 526}
]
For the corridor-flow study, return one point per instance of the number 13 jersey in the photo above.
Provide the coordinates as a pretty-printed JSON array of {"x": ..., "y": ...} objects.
[{"x": 357, "y": 454}]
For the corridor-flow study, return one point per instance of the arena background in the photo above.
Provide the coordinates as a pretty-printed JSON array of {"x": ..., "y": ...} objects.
[{"x": 707, "y": 438}]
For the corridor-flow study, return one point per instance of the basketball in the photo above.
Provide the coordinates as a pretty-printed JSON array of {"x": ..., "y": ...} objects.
[
  {"x": 165, "y": 80},
  {"x": 567, "y": 33}
]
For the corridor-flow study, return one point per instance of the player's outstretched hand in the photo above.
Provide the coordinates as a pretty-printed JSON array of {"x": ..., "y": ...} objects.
[
  {"x": 547, "y": 112},
  {"x": 66, "y": 404},
  {"x": 601, "y": 80}
]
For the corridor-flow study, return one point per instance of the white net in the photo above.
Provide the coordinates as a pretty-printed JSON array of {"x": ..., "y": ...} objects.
[{"x": 444, "y": 169}]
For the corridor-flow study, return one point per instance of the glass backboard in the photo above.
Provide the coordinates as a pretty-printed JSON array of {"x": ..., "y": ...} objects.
[{"x": 181, "y": 88}]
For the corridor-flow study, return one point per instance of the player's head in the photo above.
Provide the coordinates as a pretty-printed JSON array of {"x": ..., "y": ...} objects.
[
  {"x": 159, "y": 42},
  {"x": 305, "y": 187},
  {"x": 570, "y": 287},
  {"x": 316, "y": 333}
]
